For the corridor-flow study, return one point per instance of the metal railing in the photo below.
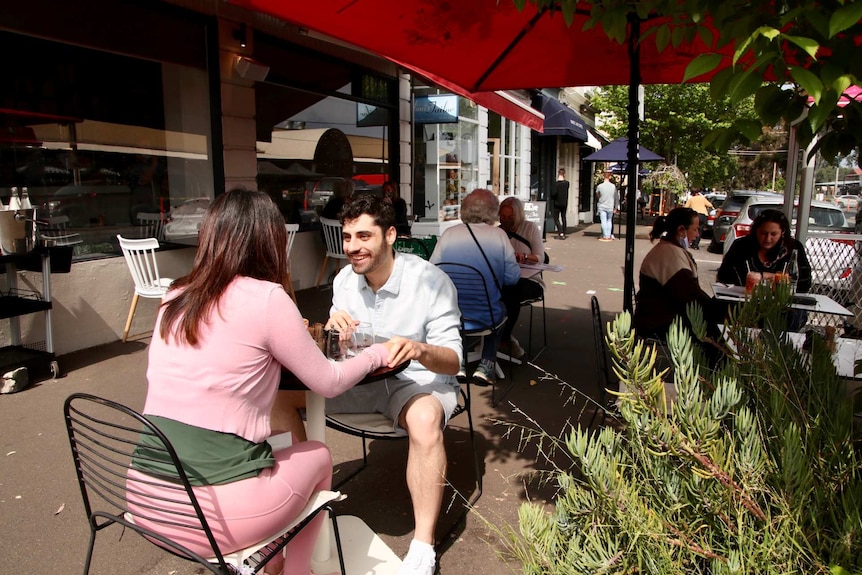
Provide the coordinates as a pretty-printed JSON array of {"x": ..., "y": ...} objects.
[{"x": 836, "y": 271}]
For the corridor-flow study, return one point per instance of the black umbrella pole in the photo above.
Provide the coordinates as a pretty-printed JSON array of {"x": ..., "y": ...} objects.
[{"x": 634, "y": 119}]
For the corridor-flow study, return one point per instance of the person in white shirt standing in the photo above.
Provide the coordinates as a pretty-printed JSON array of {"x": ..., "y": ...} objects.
[{"x": 607, "y": 204}]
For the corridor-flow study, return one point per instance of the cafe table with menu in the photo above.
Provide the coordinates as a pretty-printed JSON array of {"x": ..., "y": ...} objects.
[
  {"x": 364, "y": 552},
  {"x": 811, "y": 302}
]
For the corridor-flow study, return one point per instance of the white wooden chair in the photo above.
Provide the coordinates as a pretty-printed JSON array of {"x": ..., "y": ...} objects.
[
  {"x": 291, "y": 236},
  {"x": 334, "y": 245},
  {"x": 153, "y": 224},
  {"x": 141, "y": 258}
]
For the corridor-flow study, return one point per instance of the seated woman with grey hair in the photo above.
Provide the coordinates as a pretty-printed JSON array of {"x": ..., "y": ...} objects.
[
  {"x": 526, "y": 238},
  {"x": 479, "y": 243}
]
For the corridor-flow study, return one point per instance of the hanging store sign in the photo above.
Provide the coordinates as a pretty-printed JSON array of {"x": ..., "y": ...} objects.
[{"x": 436, "y": 109}]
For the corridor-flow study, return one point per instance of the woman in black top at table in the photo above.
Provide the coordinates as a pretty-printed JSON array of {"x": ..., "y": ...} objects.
[{"x": 768, "y": 249}]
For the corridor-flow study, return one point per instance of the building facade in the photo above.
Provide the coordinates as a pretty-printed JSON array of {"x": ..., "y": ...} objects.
[{"x": 153, "y": 108}]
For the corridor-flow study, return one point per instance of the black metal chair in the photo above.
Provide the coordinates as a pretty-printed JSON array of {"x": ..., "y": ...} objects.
[
  {"x": 103, "y": 436},
  {"x": 478, "y": 319},
  {"x": 368, "y": 426},
  {"x": 530, "y": 302}
]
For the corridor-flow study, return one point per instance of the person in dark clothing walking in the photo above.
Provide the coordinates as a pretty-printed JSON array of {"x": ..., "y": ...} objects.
[{"x": 560, "y": 199}]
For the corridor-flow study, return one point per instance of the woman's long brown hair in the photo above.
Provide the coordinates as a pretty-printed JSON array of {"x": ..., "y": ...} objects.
[{"x": 242, "y": 234}]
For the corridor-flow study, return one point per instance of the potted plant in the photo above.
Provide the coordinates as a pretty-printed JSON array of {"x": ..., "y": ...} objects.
[{"x": 753, "y": 468}]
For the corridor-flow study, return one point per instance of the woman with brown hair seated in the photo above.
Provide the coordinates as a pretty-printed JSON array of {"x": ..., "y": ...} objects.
[{"x": 669, "y": 280}]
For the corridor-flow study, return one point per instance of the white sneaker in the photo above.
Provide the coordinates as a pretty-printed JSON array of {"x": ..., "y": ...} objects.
[{"x": 420, "y": 560}]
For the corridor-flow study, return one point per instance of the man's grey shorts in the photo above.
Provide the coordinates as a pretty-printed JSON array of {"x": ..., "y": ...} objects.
[{"x": 389, "y": 397}]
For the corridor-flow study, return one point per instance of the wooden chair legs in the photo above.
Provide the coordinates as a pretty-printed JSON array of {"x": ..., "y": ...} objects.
[
  {"x": 131, "y": 316},
  {"x": 322, "y": 269}
]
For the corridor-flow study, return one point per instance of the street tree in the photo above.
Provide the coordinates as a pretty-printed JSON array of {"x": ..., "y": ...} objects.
[
  {"x": 796, "y": 57},
  {"x": 678, "y": 119}
]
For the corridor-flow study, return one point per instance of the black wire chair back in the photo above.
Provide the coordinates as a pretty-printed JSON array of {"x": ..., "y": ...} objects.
[{"x": 104, "y": 437}]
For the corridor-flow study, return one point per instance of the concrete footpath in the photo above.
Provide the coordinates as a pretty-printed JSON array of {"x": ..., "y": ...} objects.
[{"x": 42, "y": 523}]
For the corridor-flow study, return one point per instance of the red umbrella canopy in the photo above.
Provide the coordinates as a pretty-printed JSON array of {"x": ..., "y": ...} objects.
[{"x": 482, "y": 45}]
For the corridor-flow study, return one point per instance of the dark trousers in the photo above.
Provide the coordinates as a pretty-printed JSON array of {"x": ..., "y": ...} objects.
[
  {"x": 560, "y": 219},
  {"x": 513, "y": 295},
  {"x": 702, "y": 218}
]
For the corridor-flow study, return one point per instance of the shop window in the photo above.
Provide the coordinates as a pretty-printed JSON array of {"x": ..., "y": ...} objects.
[
  {"x": 99, "y": 138},
  {"x": 317, "y": 128},
  {"x": 508, "y": 157},
  {"x": 446, "y": 161}
]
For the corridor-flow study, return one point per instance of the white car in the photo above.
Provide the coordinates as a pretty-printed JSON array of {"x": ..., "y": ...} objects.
[
  {"x": 847, "y": 202},
  {"x": 184, "y": 222},
  {"x": 833, "y": 259}
]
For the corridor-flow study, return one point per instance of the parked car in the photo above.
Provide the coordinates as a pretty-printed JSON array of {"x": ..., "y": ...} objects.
[
  {"x": 716, "y": 200},
  {"x": 184, "y": 221},
  {"x": 847, "y": 202},
  {"x": 833, "y": 259},
  {"x": 725, "y": 215}
]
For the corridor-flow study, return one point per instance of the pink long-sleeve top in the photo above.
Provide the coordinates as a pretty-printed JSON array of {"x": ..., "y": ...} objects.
[{"x": 228, "y": 381}]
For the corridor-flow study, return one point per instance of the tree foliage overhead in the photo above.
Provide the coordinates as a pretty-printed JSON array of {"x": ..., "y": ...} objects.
[
  {"x": 785, "y": 53},
  {"x": 678, "y": 118}
]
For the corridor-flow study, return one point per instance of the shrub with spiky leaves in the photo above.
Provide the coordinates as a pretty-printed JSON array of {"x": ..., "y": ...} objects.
[{"x": 752, "y": 468}]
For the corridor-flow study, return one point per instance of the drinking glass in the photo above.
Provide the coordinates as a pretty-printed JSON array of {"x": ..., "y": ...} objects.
[
  {"x": 751, "y": 280},
  {"x": 363, "y": 336},
  {"x": 339, "y": 344}
]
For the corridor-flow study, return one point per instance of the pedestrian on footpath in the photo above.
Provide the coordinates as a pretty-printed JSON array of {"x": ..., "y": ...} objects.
[
  {"x": 701, "y": 205},
  {"x": 607, "y": 203},
  {"x": 560, "y": 200}
]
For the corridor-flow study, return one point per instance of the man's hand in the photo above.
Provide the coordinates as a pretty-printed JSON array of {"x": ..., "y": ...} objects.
[
  {"x": 434, "y": 358},
  {"x": 341, "y": 321},
  {"x": 401, "y": 349}
]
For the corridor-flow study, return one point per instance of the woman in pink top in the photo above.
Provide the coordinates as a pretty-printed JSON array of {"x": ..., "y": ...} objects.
[{"x": 222, "y": 335}]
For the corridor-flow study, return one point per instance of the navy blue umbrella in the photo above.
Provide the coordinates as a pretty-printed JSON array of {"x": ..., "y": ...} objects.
[{"x": 617, "y": 151}]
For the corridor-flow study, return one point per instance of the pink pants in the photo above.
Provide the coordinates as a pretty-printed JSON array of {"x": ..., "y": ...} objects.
[{"x": 245, "y": 512}]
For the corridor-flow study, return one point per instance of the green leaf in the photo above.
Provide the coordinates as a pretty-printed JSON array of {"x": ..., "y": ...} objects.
[
  {"x": 770, "y": 102},
  {"x": 701, "y": 65},
  {"x": 810, "y": 46},
  {"x": 819, "y": 112},
  {"x": 677, "y": 35},
  {"x": 842, "y": 83},
  {"x": 846, "y": 16},
  {"x": 706, "y": 35},
  {"x": 751, "y": 129},
  {"x": 519, "y": 4},
  {"x": 662, "y": 38},
  {"x": 719, "y": 86},
  {"x": 764, "y": 31},
  {"x": 808, "y": 81},
  {"x": 744, "y": 85}
]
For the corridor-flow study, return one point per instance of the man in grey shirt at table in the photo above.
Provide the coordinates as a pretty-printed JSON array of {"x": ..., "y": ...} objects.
[{"x": 414, "y": 303}]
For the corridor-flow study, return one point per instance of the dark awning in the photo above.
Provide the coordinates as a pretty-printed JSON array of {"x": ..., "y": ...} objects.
[{"x": 560, "y": 120}]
